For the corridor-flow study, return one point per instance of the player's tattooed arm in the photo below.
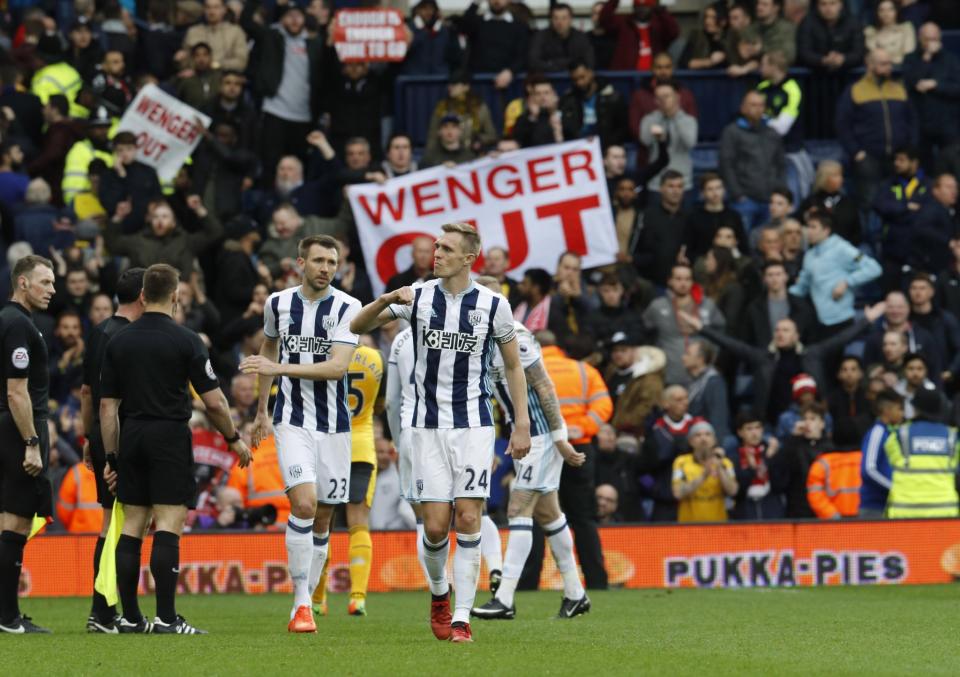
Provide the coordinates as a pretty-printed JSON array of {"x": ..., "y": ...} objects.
[{"x": 539, "y": 380}]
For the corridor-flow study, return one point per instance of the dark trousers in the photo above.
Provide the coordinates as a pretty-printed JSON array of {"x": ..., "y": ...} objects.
[
  {"x": 867, "y": 175},
  {"x": 578, "y": 502},
  {"x": 279, "y": 137}
]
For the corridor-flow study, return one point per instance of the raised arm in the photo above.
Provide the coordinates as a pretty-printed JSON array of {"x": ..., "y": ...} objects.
[{"x": 388, "y": 307}]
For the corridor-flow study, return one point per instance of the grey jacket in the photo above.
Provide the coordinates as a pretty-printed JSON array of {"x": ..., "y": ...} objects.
[
  {"x": 682, "y": 131},
  {"x": 274, "y": 250},
  {"x": 752, "y": 162},
  {"x": 550, "y": 53},
  {"x": 660, "y": 318}
]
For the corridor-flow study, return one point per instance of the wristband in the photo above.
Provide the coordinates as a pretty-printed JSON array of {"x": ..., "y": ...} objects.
[
  {"x": 112, "y": 460},
  {"x": 559, "y": 435},
  {"x": 235, "y": 438}
]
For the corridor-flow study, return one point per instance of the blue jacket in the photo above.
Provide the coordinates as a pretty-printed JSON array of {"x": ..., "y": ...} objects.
[
  {"x": 876, "y": 117},
  {"x": 875, "y": 471},
  {"x": 826, "y": 264},
  {"x": 36, "y": 224},
  {"x": 434, "y": 51}
]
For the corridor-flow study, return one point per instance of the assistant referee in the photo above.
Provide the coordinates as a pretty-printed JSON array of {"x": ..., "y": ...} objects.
[
  {"x": 148, "y": 367},
  {"x": 103, "y": 617},
  {"x": 25, "y": 490}
]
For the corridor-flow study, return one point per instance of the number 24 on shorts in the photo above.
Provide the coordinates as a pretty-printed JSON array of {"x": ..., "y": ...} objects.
[{"x": 480, "y": 481}]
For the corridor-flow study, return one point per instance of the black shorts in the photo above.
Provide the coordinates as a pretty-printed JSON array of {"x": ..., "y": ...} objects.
[
  {"x": 156, "y": 464},
  {"x": 99, "y": 458},
  {"x": 360, "y": 474},
  {"x": 21, "y": 494}
]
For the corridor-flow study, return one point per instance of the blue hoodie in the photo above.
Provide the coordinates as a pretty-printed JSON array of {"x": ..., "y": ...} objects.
[
  {"x": 875, "y": 471},
  {"x": 825, "y": 265}
]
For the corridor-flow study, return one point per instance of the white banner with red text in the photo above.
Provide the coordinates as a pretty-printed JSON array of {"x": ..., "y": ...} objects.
[{"x": 537, "y": 203}]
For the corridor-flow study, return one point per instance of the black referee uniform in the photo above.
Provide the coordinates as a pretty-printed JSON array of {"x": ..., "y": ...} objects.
[
  {"x": 149, "y": 366},
  {"x": 96, "y": 348},
  {"x": 24, "y": 355}
]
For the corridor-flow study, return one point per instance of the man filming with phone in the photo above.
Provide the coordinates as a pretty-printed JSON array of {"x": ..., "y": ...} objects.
[{"x": 703, "y": 478}]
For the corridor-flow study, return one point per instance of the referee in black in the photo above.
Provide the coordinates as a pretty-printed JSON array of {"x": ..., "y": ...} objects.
[
  {"x": 147, "y": 369},
  {"x": 103, "y": 617},
  {"x": 25, "y": 490}
]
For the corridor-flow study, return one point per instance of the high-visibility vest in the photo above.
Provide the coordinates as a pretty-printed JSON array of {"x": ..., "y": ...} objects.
[
  {"x": 261, "y": 482},
  {"x": 76, "y": 177},
  {"x": 584, "y": 400},
  {"x": 77, "y": 505},
  {"x": 923, "y": 456},
  {"x": 833, "y": 485},
  {"x": 59, "y": 78}
]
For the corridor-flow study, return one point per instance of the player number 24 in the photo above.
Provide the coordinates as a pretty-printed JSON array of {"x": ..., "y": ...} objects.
[{"x": 481, "y": 481}]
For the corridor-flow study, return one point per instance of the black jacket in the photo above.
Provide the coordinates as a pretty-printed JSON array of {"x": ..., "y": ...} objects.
[
  {"x": 218, "y": 173},
  {"x": 757, "y": 320},
  {"x": 762, "y": 362},
  {"x": 549, "y": 53},
  {"x": 919, "y": 340},
  {"x": 268, "y": 69},
  {"x": 494, "y": 45},
  {"x": 236, "y": 278},
  {"x": 702, "y": 226},
  {"x": 815, "y": 39},
  {"x": 938, "y": 110},
  {"x": 140, "y": 185},
  {"x": 846, "y": 217},
  {"x": 789, "y": 468},
  {"x": 932, "y": 229},
  {"x": 611, "y": 114},
  {"x": 660, "y": 238}
]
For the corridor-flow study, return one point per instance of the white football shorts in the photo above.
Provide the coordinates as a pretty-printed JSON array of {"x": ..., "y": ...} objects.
[
  {"x": 310, "y": 456},
  {"x": 451, "y": 463},
  {"x": 540, "y": 469}
]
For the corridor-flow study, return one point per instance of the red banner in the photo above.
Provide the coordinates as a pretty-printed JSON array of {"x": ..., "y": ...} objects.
[
  {"x": 716, "y": 556},
  {"x": 370, "y": 35}
]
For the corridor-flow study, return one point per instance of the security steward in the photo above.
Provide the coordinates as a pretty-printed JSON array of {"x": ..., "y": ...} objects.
[
  {"x": 102, "y": 616},
  {"x": 149, "y": 367},
  {"x": 923, "y": 455},
  {"x": 25, "y": 489}
]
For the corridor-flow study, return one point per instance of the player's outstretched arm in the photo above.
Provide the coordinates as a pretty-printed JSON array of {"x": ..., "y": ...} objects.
[
  {"x": 332, "y": 369},
  {"x": 517, "y": 385},
  {"x": 378, "y": 313},
  {"x": 540, "y": 381}
]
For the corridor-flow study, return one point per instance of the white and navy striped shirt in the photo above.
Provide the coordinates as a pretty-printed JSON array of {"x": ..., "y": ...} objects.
[
  {"x": 453, "y": 349},
  {"x": 402, "y": 357},
  {"x": 307, "y": 331},
  {"x": 530, "y": 354}
]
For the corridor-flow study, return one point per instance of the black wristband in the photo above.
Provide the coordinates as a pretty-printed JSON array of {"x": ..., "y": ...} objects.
[
  {"x": 112, "y": 460},
  {"x": 235, "y": 438}
]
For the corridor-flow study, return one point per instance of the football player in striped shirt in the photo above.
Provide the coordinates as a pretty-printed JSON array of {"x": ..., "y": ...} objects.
[
  {"x": 455, "y": 324},
  {"x": 308, "y": 344},
  {"x": 534, "y": 493}
]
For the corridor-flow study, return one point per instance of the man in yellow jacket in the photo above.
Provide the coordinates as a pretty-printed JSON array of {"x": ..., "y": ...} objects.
[
  {"x": 585, "y": 405},
  {"x": 57, "y": 76},
  {"x": 76, "y": 167}
]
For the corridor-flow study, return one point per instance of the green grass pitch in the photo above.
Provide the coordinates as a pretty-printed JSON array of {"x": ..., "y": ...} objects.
[{"x": 835, "y": 631}]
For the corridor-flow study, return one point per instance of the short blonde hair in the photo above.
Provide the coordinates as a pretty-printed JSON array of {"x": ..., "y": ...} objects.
[
  {"x": 471, "y": 238},
  {"x": 488, "y": 281},
  {"x": 825, "y": 169}
]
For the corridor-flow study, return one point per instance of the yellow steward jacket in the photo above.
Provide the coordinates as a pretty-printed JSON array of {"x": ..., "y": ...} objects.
[{"x": 584, "y": 400}]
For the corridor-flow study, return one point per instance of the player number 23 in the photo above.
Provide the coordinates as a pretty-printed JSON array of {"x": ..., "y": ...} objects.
[{"x": 334, "y": 484}]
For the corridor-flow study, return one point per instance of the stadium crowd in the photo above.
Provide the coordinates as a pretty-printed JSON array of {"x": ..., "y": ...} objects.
[{"x": 769, "y": 323}]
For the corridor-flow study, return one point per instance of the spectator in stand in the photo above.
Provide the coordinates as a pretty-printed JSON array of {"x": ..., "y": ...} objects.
[
  {"x": 450, "y": 149},
  {"x": 703, "y": 479},
  {"x": 237, "y": 270},
  {"x": 784, "y": 98},
  {"x": 875, "y": 469},
  {"x": 804, "y": 393},
  {"x": 948, "y": 279},
  {"x": 923, "y": 457},
  {"x": 776, "y": 33},
  {"x": 54, "y": 75},
  {"x": 721, "y": 283},
  {"x": 389, "y": 510},
  {"x": 199, "y": 313},
  {"x": 616, "y": 466},
  {"x": 420, "y": 270},
  {"x": 285, "y": 229},
  {"x": 635, "y": 381},
  {"x": 96, "y": 146},
  {"x": 101, "y": 307},
  {"x": 644, "y": 101},
  {"x": 648, "y": 30},
  {"x": 832, "y": 269},
  {"x": 542, "y": 121},
  {"x": 791, "y": 466},
  {"x": 496, "y": 263},
  {"x": 894, "y": 336},
  {"x": 354, "y": 100},
  {"x": 774, "y": 366},
  {"x": 935, "y": 225},
  {"x": 83, "y": 52},
  {"x": 897, "y": 201},
  {"x": 833, "y": 481},
  {"x": 559, "y": 46},
  {"x": 592, "y": 107},
  {"x": 739, "y": 27},
  {"x": 227, "y": 41},
  {"x": 848, "y": 401},
  {"x": 897, "y": 39},
  {"x": 614, "y": 165},
  {"x": 710, "y": 216},
  {"x": 613, "y": 315},
  {"x": 752, "y": 161},
  {"x": 942, "y": 325},
  {"x": 73, "y": 290},
  {"x": 830, "y": 42},
  {"x": 932, "y": 77},
  {"x": 663, "y": 232},
  {"x": 608, "y": 504},
  {"x": 399, "y": 156},
  {"x": 434, "y": 48},
  {"x": 916, "y": 378},
  {"x": 162, "y": 241},
  {"x": 198, "y": 86},
  {"x": 756, "y": 499},
  {"x": 707, "y": 45},
  {"x": 707, "y": 390},
  {"x": 287, "y": 74},
  {"x": 670, "y": 125},
  {"x": 316, "y": 197},
  {"x": 794, "y": 247},
  {"x": 665, "y": 440},
  {"x": 66, "y": 355},
  {"x": 779, "y": 209},
  {"x": 40, "y": 223},
  {"x": 62, "y": 132},
  {"x": 569, "y": 305},
  {"x": 13, "y": 183},
  {"x": 874, "y": 118},
  {"x": 230, "y": 106},
  {"x": 497, "y": 42},
  {"x": 747, "y": 49},
  {"x": 665, "y": 319},
  {"x": 603, "y": 42},
  {"x": 223, "y": 170},
  {"x": 129, "y": 180},
  {"x": 534, "y": 290},
  {"x": 828, "y": 198}
]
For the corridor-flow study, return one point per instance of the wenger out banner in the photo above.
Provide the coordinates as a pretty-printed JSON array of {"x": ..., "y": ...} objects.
[
  {"x": 537, "y": 203},
  {"x": 369, "y": 35},
  {"x": 167, "y": 130}
]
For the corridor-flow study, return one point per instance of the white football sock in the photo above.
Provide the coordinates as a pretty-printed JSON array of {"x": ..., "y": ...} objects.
[
  {"x": 435, "y": 562},
  {"x": 420, "y": 555},
  {"x": 299, "y": 541},
  {"x": 490, "y": 544},
  {"x": 466, "y": 572},
  {"x": 321, "y": 543},
  {"x": 561, "y": 544},
  {"x": 518, "y": 549}
]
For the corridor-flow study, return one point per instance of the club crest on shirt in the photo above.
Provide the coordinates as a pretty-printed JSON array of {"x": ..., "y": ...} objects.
[
  {"x": 474, "y": 317},
  {"x": 295, "y": 471},
  {"x": 329, "y": 322},
  {"x": 419, "y": 487}
]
